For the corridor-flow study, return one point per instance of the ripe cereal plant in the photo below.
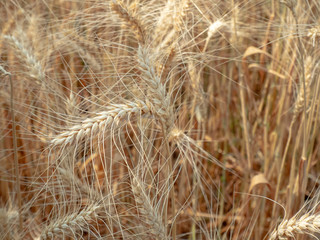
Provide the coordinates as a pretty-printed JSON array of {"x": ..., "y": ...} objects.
[{"x": 159, "y": 119}]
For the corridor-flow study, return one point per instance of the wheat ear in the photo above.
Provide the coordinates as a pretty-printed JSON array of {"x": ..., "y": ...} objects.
[
  {"x": 92, "y": 126},
  {"x": 157, "y": 98},
  {"x": 314, "y": 34},
  {"x": 159, "y": 103},
  {"x": 307, "y": 224},
  {"x": 33, "y": 64},
  {"x": 129, "y": 18},
  {"x": 299, "y": 105},
  {"x": 83, "y": 49},
  {"x": 8, "y": 222},
  {"x": 169, "y": 24},
  {"x": 151, "y": 217},
  {"x": 69, "y": 224},
  {"x": 83, "y": 188}
]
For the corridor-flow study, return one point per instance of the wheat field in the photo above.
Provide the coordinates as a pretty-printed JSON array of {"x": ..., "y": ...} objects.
[{"x": 159, "y": 119}]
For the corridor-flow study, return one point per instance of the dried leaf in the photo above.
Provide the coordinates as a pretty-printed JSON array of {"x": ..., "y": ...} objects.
[
  {"x": 257, "y": 180},
  {"x": 253, "y": 50}
]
